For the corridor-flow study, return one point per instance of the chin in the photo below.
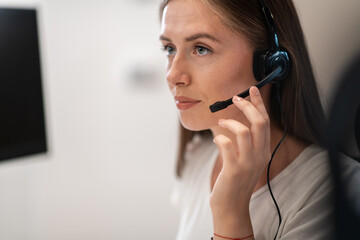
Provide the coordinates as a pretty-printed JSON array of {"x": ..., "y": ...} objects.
[{"x": 192, "y": 125}]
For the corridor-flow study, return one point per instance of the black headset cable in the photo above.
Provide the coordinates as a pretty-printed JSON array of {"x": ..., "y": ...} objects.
[{"x": 272, "y": 155}]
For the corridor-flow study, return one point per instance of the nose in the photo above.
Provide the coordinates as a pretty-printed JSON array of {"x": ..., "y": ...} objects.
[{"x": 178, "y": 72}]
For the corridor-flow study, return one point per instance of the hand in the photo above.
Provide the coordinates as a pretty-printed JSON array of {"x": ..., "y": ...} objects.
[{"x": 242, "y": 168}]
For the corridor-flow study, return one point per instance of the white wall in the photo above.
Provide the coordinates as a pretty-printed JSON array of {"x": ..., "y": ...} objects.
[
  {"x": 109, "y": 170},
  {"x": 333, "y": 33}
]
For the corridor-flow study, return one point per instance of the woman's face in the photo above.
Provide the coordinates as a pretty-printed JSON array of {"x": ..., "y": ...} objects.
[{"x": 206, "y": 62}]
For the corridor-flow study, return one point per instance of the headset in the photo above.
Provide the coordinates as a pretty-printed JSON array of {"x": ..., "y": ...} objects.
[
  {"x": 272, "y": 65},
  {"x": 269, "y": 66}
]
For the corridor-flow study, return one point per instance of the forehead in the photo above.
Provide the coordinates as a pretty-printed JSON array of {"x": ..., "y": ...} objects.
[{"x": 184, "y": 16}]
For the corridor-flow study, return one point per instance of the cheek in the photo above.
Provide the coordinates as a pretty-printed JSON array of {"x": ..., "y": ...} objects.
[
  {"x": 217, "y": 81},
  {"x": 229, "y": 80}
]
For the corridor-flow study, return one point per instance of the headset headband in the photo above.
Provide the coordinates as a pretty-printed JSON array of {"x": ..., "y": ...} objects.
[{"x": 270, "y": 25}]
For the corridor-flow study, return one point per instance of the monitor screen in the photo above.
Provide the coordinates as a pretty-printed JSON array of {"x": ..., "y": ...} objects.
[{"x": 22, "y": 122}]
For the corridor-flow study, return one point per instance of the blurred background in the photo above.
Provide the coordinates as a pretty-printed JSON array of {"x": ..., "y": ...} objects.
[{"x": 111, "y": 124}]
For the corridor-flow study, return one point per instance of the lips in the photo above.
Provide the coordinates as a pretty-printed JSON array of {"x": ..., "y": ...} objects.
[{"x": 184, "y": 103}]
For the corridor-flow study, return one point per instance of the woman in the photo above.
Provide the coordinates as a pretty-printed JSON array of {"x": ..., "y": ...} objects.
[{"x": 210, "y": 47}]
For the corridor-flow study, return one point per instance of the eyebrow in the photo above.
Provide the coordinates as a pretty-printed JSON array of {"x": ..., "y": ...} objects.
[
  {"x": 201, "y": 35},
  {"x": 193, "y": 37}
]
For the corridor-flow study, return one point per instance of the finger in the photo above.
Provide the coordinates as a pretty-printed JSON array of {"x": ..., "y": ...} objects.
[
  {"x": 257, "y": 101},
  {"x": 242, "y": 133},
  {"x": 259, "y": 125},
  {"x": 226, "y": 149}
]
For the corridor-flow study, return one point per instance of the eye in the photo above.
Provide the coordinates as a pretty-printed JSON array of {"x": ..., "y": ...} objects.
[
  {"x": 169, "y": 50},
  {"x": 202, "y": 50}
]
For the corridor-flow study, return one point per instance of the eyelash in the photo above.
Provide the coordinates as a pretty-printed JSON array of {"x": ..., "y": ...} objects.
[
  {"x": 199, "y": 46},
  {"x": 166, "y": 47}
]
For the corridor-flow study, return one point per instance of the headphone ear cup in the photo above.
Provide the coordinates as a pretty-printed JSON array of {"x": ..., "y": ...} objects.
[
  {"x": 265, "y": 61},
  {"x": 278, "y": 58},
  {"x": 259, "y": 59}
]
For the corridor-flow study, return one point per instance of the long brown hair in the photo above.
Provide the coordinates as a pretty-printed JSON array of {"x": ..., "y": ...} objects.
[{"x": 305, "y": 116}]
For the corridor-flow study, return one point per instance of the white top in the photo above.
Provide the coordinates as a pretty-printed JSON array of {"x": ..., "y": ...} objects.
[{"x": 302, "y": 191}]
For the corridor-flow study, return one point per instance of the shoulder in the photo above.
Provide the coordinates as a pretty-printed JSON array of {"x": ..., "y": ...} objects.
[
  {"x": 312, "y": 213},
  {"x": 309, "y": 212},
  {"x": 310, "y": 169},
  {"x": 309, "y": 177},
  {"x": 199, "y": 152},
  {"x": 303, "y": 191},
  {"x": 200, "y": 156}
]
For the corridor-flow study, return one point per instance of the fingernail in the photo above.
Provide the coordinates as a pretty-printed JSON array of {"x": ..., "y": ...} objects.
[
  {"x": 237, "y": 98},
  {"x": 255, "y": 91},
  {"x": 220, "y": 122}
]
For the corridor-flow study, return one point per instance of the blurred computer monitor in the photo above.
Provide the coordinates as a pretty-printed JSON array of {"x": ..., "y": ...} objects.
[{"x": 22, "y": 122}]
